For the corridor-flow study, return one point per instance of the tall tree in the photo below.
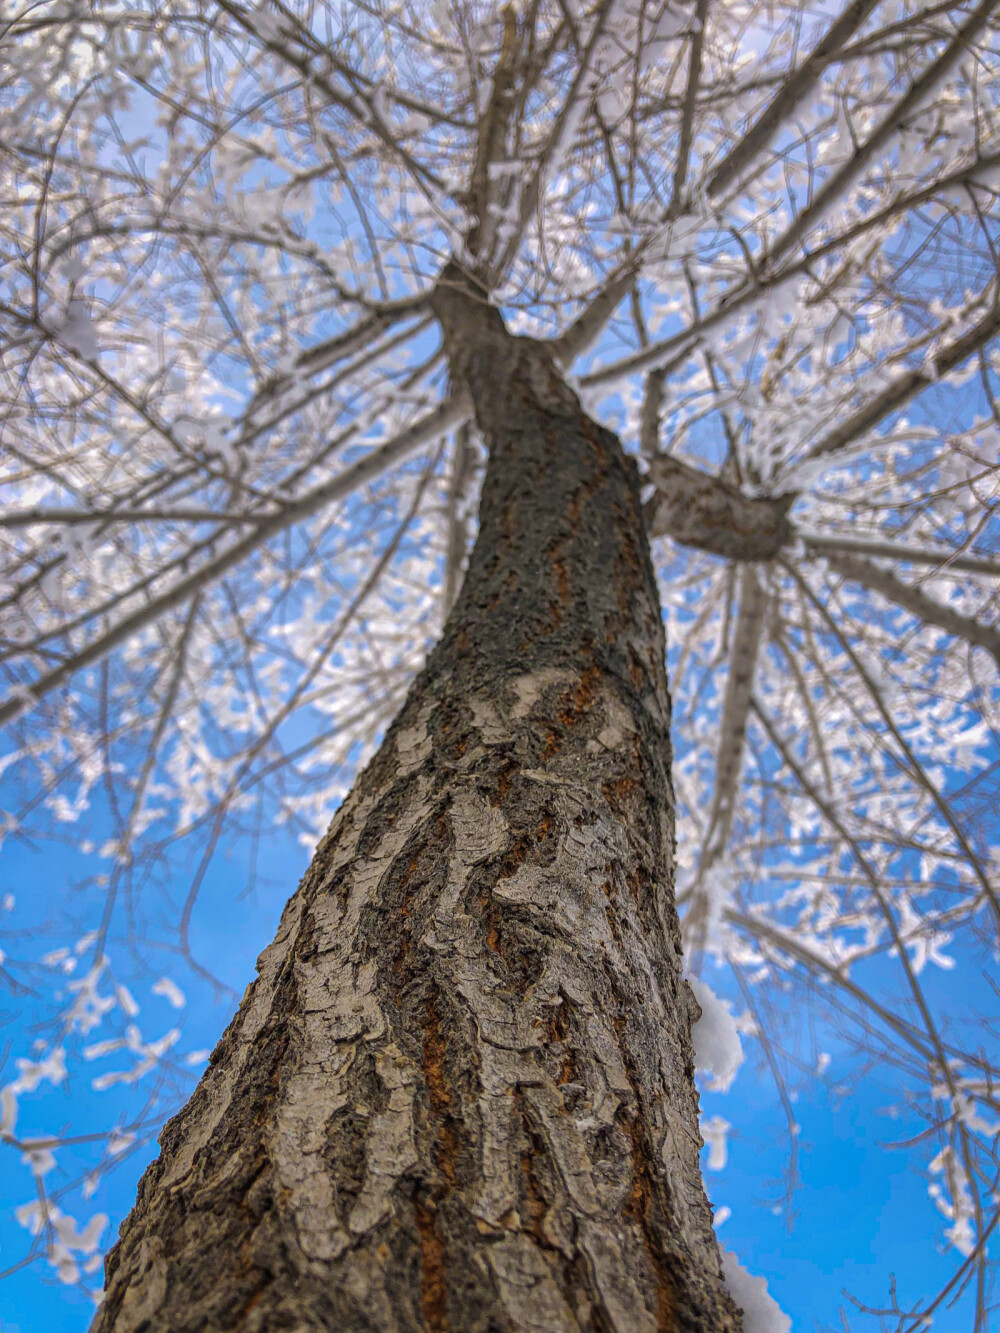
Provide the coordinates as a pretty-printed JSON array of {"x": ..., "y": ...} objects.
[
  {"x": 461, "y": 1093},
  {"x": 262, "y": 274}
]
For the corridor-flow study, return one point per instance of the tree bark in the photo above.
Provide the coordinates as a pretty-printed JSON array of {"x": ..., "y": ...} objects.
[{"x": 459, "y": 1096}]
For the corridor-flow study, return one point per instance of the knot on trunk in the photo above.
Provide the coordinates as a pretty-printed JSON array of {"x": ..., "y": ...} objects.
[{"x": 700, "y": 510}]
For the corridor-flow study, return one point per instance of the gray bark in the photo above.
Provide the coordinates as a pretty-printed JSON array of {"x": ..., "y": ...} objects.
[
  {"x": 700, "y": 510},
  {"x": 459, "y": 1095}
]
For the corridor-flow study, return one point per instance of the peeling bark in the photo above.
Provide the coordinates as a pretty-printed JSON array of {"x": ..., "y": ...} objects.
[{"x": 459, "y": 1096}]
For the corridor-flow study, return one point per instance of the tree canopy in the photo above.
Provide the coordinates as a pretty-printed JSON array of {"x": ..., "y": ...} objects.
[{"x": 239, "y": 488}]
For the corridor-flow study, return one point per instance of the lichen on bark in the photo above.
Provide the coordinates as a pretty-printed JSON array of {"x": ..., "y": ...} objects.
[{"x": 459, "y": 1096}]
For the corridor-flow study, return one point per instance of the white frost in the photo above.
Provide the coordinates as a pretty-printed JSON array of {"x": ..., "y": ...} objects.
[
  {"x": 31, "y": 1072},
  {"x": 77, "y": 332},
  {"x": 717, "y": 1047},
  {"x": 761, "y": 1312},
  {"x": 8, "y": 1110},
  {"x": 40, "y": 1160},
  {"x": 67, "y": 1239},
  {"x": 170, "y": 991},
  {"x": 714, "y": 1131}
]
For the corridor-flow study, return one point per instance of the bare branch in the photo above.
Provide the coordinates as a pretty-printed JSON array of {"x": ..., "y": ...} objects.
[
  {"x": 700, "y": 510},
  {"x": 915, "y": 601},
  {"x": 430, "y": 427},
  {"x": 793, "y": 91}
]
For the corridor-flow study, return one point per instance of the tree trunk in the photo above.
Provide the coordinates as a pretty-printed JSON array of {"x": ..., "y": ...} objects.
[{"x": 459, "y": 1095}]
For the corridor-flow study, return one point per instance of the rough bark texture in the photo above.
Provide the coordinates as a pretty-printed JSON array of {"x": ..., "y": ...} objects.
[
  {"x": 704, "y": 511},
  {"x": 459, "y": 1095}
]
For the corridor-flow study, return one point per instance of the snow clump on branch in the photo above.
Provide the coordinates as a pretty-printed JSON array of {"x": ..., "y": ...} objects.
[{"x": 717, "y": 1047}]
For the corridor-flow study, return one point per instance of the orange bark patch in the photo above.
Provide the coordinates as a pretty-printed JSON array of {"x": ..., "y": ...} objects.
[
  {"x": 634, "y": 881},
  {"x": 505, "y": 589},
  {"x": 400, "y": 959},
  {"x": 559, "y": 1029},
  {"x": 639, "y": 1207},
  {"x": 629, "y": 563},
  {"x": 521, "y": 847},
  {"x": 438, "y": 1092},
  {"x": 574, "y": 704},
  {"x": 491, "y": 919},
  {"x": 533, "y": 1204},
  {"x": 560, "y": 574},
  {"x": 433, "y": 1270},
  {"x": 254, "y": 1301},
  {"x": 620, "y": 792},
  {"x": 617, "y": 792},
  {"x": 504, "y": 780},
  {"x": 580, "y": 697},
  {"x": 419, "y": 867},
  {"x": 636, "y": 670},
  {"x": 433, "y": 1284}
]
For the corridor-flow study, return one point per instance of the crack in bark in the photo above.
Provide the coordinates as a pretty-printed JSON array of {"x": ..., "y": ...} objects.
[{"x": 433, "y": 1279}]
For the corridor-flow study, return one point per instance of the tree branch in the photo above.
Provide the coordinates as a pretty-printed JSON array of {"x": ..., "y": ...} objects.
[
  {"x": 448, "y": 414},
  {"x": 916, "y": 602},
  {"x": 700, "y": 510},
  {"x": 792, "y": 92}
]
